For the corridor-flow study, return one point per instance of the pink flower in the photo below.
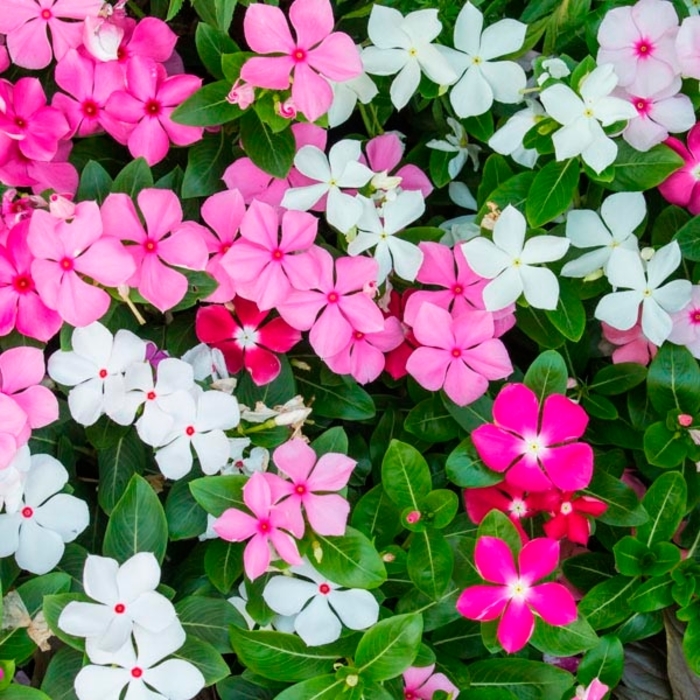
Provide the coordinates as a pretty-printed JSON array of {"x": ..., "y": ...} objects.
[
  {"x": 147, "y": 104},
  {"x": 420, "y": 683},
  {"x": 270, "y": 524},
  {"x": 515, "y": 598},
  {"x": 248, "y": 344},
  {"x": 396, "y": 359},
  {"x": 337, "y": 306},
  {"x": 688, "y": 47},
  {"x": 459, "y": 355},
  {"x": 150, "y": 37},
  {"x": 385, "y": 152},
  {"x": 570, "y": 515},
  {"x": 26, "y": 23},
  {"x": 14, "y": 429},
  {"x": 536, "y": 449},
  {"x": 264, "y": 264},
  {"x": 241, "y": 94},
  {"x": 595, "y": 691},
  {"x": 505, "y": 497},
  {"x": 683, "y": 186},
  {"x": 629, "y": 346},
  {"x": 63, "y": 249},
  {"x": 686, "y": 324},
  {"x": 317, "y": 53},
  {"x": 166, "y": 239},
  {"x": 310, "y": 480}
]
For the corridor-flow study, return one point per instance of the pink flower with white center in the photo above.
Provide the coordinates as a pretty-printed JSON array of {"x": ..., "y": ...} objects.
[
  {"x": 146, "y": 105},
  {"x": 62, "y": 249},
  {"x": 317, "y": 53},
  {"x": 337, "y": 306},
  {"x": 536, "y": 449},
  {"x": 514, "y": 599},
  {"x": 420, "y": 683},
  {"x": 246, "y": 344},
  {"x": 639, "y": 41},
  {"x": 686, "y": 324},
  {"x": 458, "y": 354},
  {"x": 505, "y": 497},
  {"x": 165, "y": 239},
  {"x": 266, "y": 263},
  {"x": 269, "y": 524},
  {"x": 21, "y": 307},
  {"x": 571, "y": 515},
  {"x": 628, "y": 346},
  {"x": 310, "y": 482},
  {"x": 26, "y": 23},
  {"x": 594, "y": 691},
  {"x": 683, "y": 186}
]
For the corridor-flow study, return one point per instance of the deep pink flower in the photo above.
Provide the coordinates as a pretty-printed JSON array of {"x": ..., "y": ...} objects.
[
  {"x": 248, "y": 342},
  {"x": 385, "y": 152},
  {"x": 165, "y": 239},
  {"x": 683, "y": 186},
  {"x": 149, "y": 38},
  {"x": 420, "y": 683},
  {"x": 396, "y": 359},
  {"x": 514, "y": 599},
  {"x": 459, "y": 355},
  {"x": 629, "y": 346},
  {"x": 315, "y": 54},
  {"x": 150, "y": 99},
  {"x": 536, "y": 449},
  {"x": 505, "y": 497},
  {"x": 570, "y": 515},
  {"x": 270, "y": 524}
]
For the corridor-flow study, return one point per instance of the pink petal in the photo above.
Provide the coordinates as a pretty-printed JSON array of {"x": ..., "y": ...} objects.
[
  {"x": 160, "y": 284},
  {"x": 526, "y": 474},
  {"x": 120, "y": 220},
  {"x": 489, "y": 359},
  {"x": 21, "y": 368},
  {"x": 553, "y": 602},
  {"x": 331, "y": 332},
  {"x": 35, "y": 319},
  {"x": 107, "y": 262},
  {"x": 299, "y": 230},
  {"x": 336, "y": 58},
  {"x": 384, "y": 153},
  {"x": 29, "y": 45},
  {"x": 161, "y": 209},
  {"x": 185, "y": 247},
  {"x": 438, "y": 265},
  {"x": 266, "y": 30},
  {"x": 295, "y": 458},
  {"x": 516, "y": 626},
  {"x": 214, "y": 324},
  {"x": 516, "y": 408},
  {"x": 40, "y": 405},
  {"x": 267, "y": 72},
  {"x": 494, "y": 560},
  {"x": 153, "y": 38},
  {"x": 331, "y": 473},
  {"x": 223, "y": 212},
  {"x": 312, "y": 94},
  {"x": 286, "y": 547},
  {"x": 462, "y": 384},
  {"x": 498, "y": 448},
  {"x": 256, "y": 557},
  {"x": 80, "y": 303},
  {"x": 483, "y": 603},
  {"x": 433, "y": 327},
  {"x": 148, "y": 140},
  {"x": 570, "y": 467},
  {"x": 428, "y": 367},
  {"x": 257, "y": 496},
  {"x": 562, "y": 420},
  {"x": 537, "y": 559},
  {"x": 312, "y": 21},
  {"x": 142, "y": 78},
  {"x": 327, "y": 514}
]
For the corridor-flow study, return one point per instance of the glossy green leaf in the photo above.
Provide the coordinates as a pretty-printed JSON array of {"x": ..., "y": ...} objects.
[
  {"x": 271, "y": 152},
  {"x": 665, "y": 502},
  {"x": 674, "y": 380},
  {"x": 567, "y": 640},
  {"x": 430, "y": 562},
  {"x": 607, "y": 603},
  {"x": 547, "y": 375},
  {"x": 524, "y": 678},
  {"x": 407, "y": 473},
  {"x": 551, "y": 191},
  {"x": 217, "y": 493},
  {"x": 605, "y": 662}
]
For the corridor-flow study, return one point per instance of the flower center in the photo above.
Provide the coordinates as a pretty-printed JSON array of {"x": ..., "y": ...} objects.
[
  {"x": 533, "y": 447},
  {"x": 518, "y": 590},
  {"x": 120, "y": 608},
  {"x": 457, "y": 290},
  {"x": 456, "y": 352},
  {"x": 189, "y": 430},
  {"x": 137, "y": 672},
  {"x": 90, "y": 109},
  {"x": 408, "y": 695},
  {"x": 246, "y": 337},
  {"x": 150, "y": 246},
  {"x": 300, "y": 489},
  {"x": 324, "y": 589},
  {"x": 642, "y": 106},
  {"x": 27, "y": 512},
  {"x": 151, "y": 395},
  {"x": 103, "y": 373},
  {"x": 333, "y": 298},
  {"x": 277, "y": 254},
  {"x": 152, "y": 108},
  {"x": 517, "y": 507},
  {"x": 588, "y": 112},
  {"x": 23, "y": 284},
  {"x": 21, "y": 123},
  {"x": 225, "y": 247},
  {"x": 566, "y": 508},
  {"x": 46, "y": 14},
  {"x": 643, "y": 49},
  {"x": 264, "y": 527},
  {"x": 413, "y": 52},
  {"x": 299, "y": 55},
  {"x": 358, "y": 335},
  {"x": 66, "y": 264},
  {"x": 477, "y": 60},
  {"x": 694, "y": 317},
  {"x": 647, "y": 292}
]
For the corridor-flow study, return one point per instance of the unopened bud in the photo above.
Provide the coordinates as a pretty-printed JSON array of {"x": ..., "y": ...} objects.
[
  {"x": 685, "y": 420},
  {"x": 413, "y": 517},
  {"x": 593, "y": 276},
  {"x": 647, "y": 253},
  {"x": 352, "y": 680},
  {"x": 388, "y": 557},
  {"x": 61, "y": 207},
  {"x": 286, "y": 109}
]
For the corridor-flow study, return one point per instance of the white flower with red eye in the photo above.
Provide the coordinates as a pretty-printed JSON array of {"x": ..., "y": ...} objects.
[
  {"x": 12, "y": 479},
  {"x": 126, "y": 595},
  {"x": 42, "y": 521}
]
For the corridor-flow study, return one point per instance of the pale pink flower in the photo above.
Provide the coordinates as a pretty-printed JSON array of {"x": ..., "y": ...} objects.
[
  {"x": 536, "y": 448},
  {"x": 683, "y": 186},
  {"x": 420, "y": 683},
  {"x": 14, "y": 430},
  {"x": 458, "y": 354},
  {"x": 628, "y": 346},
  {"x": 270, "y": 524},
  {"x": 688, "y": 47},
  {"x": 594, "y": 691},
  {"x": 686, "y": 324},
  {"x": 514, "y": 599},
  {"x": 165, "y": 239},
  {"x": 315, "y": 54}
]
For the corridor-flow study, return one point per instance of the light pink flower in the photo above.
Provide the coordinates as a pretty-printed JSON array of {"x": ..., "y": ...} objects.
[
  {"x": 594, "y": 691},
  {"x": 686, "y": 324},
  {"x": 683, "y": 186},
  {"x": 315, "y": 54},
  {"x": 688, "y": 47},
  {"x": 514, "y": 599},
  {"x": 56, "y": 174},
  {"x": 270, "y": 524},
  {"x": 241, "y": 94},
  {"x": 14, "y": 429},
  {"x": 458, "y": 354},
  {"x": 628, "y": 346},
  {"x": 166, "y": 239},
  {"x": 536, "y": 449},
  {"x": 420, "y": 683}
]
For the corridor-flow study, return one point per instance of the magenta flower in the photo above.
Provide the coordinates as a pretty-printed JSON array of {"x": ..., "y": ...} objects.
[
  {"x": 514, "y": 599},
  {"x": 249, "y": 342},
  {"x": 150, "y": 99},
  {"x": 536, "y": 449},
  {"x": 265, "y": 264},
  {"x": 166, "y": 239},
  {"x": 686, "y": 324},
  {"x": 338, "y": 304},
  {"x": 270, "y": 524},
  {"x": 420, "y": 683},
  {"x": 317, "y": 53},
  {"x": 150, "y": 37},
  {"x": 459, "y": 355},
  {"x": 596, "y": 690},
  {"x": 62, "y": 249},
  {"x": 26, "y": 23},
  {"x": 683, "y": 186}
]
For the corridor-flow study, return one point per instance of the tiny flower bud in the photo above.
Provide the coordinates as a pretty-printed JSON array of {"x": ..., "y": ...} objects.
[
  {"x": 647, "y": 253},
  {"x": 413, "y": 517},
  {"x": 388, "y": 557},
  {"x": 685, "y": 420},
  {"x": 286, "y": 109},
  {"x": 384, "y": 181},
  {"x": 352, "y": 680},
  {"x": 490, "y": 219},
  {"x": 593, "y": 276},
  {"x": 61, "y": 207},
  {"x": 241, "y": 94},
  {"x": 571, "y": 383}
]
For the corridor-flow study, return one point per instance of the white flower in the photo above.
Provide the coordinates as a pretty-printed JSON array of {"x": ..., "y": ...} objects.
[
  {"x": 484, "y": 80},
  {"x": 403, "y": 45},
  {"x": 12, "y": 479},
  {"x": 627, "y": 270},
  {"x": 582, "y": 117},
  {"x": 281, "y": 623},
  {"x": 461, "y": 228},
  {"x": 508, "y": 140},
  {"x": 390, "y": 252},
  {"x": 457, "y": 142},
  {"x": 320, "y": 605},
  {"x": 94, "y": 368},
  {"x": 347, "y": 94},
  {"x": 41, "y": 523},
  {"x": 553, "y": 68},
  {"x": 198, "y": 422},
  {"x": 340, "y": 169},
  {"x": 510, "y": 262},
  {"x": 256, "y": 461},
  {"x": 173, "y": 679},
  {"x": 126, "y": 596},
  {"x": 621, "y": 214},
  {"x": 207, "y": 363}
]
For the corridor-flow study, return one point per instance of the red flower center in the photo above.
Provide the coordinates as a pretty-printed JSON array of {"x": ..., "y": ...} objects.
[
  {"x": 21, "y": 123},
  {"x": 457, "y": 290},
  {"x": 333, "y": 298},
  {"x": 190, "y": 430},
  {"x": 120, "y": 608},
  {"x": 694, "y": 316},
  {"x": 643, "y": 48},
  {"x": 225, "y": 247},
  {"x": 358, "y": 335},
  {"x": 151, "y": 395},
  {"x": 324, "y": 589},
  {"x": 299, "y": 55},
  {"x": 136, "y": 672},
  {"x": 152, "y": 108},
  {"x": 300, "y": 489},
  {"x": 46, "y": 14},
  {"x": 103, "y": 373},
  {"x": 264, "y": 526},
  {"x": 27, "y": 512},
  {"x": 277, "y": 254},
  {"x": 150, "y": 245},
  {"x": 456, "y": 352},
  {"x": 23, "y": 284},
  {"x": 90, "y": 109},
  {"x": 66, "y": 264}
]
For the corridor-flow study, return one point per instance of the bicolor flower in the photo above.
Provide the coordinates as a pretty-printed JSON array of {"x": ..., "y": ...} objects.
[
  {"x": 421, "y": 683},
  {"x": 683, "y": 186},
  {"x": 686, "y": 324}
]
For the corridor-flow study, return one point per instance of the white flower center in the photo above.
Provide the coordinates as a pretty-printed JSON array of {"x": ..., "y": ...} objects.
[
  {"x": 517, "y": 507},
  {"x": 533, "y": 446},
  {"x": 518, "y": 590},
  {"x": 566, "y": 508},
  {"x": 696, "y": 170},
  {"x": 246, "y": 337}
]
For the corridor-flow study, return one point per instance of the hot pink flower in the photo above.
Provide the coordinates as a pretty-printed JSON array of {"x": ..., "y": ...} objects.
[
  {"x": 147, "y": 104},
  {"x": 629, "y": 346},
  {"x": 396, "y": 359},
  {"x": 683, "y": 186},
  {"x": 63, "y": 249},
  {"x": 385, "y": 152},
  {"x": 317, "y": 53},
  {"x": 537, "y": 450},
  {"x": 56, "y": 174},
  {"x": 420, "y": 683},
  {"x": 270, "y": 524},
  {"x": 310, "y": 480},
  {"x": 515, "y": 598},
  {"x": 686, "y": 324},
  {"x": 166, "y": 239},
  {"x": 248, "y": 344},
  {"x": 26, "y": 23},
  {"x": 459, "y": 355},
  {"x": 505, "y": 497},
  {"x": 570, "y": 515},
  {"x": 337, "y": 306},
  {"x": 264, "y": 264},
  {"x": 150, "y": 37}
]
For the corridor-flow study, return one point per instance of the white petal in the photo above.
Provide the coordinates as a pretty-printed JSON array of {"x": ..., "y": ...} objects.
[
  {"x": 665, "y": 261},
  {"x": 357, "y": 609},
  {"x": 406, "y": 208},
  {"x": 362, "y": 242},
  {"x": 173, "y": 375},
  {"x": 503, "y": 291},
  {"x": 384, "y": 61},
  {"x": 674, "y": 296},
  {"x": 85, "y": 401},
  {"x": 152, "y": 647},
  {"x": 312, "y": 162},
  {"x": 137, "y": 690},
  {"x": 587, "y": 263},
  {"x": 100, "y": 683},
  {"x": 303, "y": 198},
  {"x": 139, "y": 377},
  {"x": 175, "y": 679},
  {"x": 115, "y": 641},
  {"x": 215, "y": 409},
  {"x": 154, "y": 424},
  {"x": 460, "y": 195},
  {"x": 472, "y": 95},
  {"x": 509, "y": 232},
  {"x": 540, "y": 287},
  {"x": 93, "y": 342},
  {"x": 127, "y": 350},
  {"x": 467, "y": 36},
  {"x": 585, "y": 229},
  {"x": 599, "y": 82},
  {"x": 422, "y": 25},
  {"x": 175, "y": 459},
  {"x": 39, "y": 550},
  {"x": 626, "y": 270},
  {"x": 66, "y": 515},
  {"x": 434, "y": 64},
  {"x": 382, "y": 254},
  {"x": 287, "y": 596},
  {"x": 405, "y": 84},
  {"x": 100, "y": 579},
  {"x": 137, "y": 575},
  {"x": 340, "y": 155},
  {"x": 407, "y": 258},
  {"x": 343, "y": 105},
  {"x": 384, "y": 27},
  {"x": 316, "y": 624},
  {"x": 540, "y": 249},
  {"x": 46, "y": 477},
  {"x": 623, "y": 212},
  {"x": 656, "y": 323},
  {"x": 609, "y": 110},
  {"x": 212, "y": 449},
  {"x": 619, "y": 309},
  {"x": 507, "y": 80},
  {"x": 354, "y": 175},
  {"x": 85, "y": 619},
  {"x": 342, "y": 210},
  {"x": 600, "y": 152},
  {"x": 485, "y": 258},
  {"x": 504, "y": 37},
  {"x": 562, "y": 103},
  {"x": 69, "y": 369},
  {"x": 153, "y": 611},
  {"x": 9, "y": 533}
]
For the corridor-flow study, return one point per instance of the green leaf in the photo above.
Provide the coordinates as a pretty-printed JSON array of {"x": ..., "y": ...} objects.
[
  {"x": 636, "y": 171},
  {"x": 607, "y": 603},
  {"x": 407, "y": 473},
  {"x": 439, "y": 508},
  {"x": 332, "y": 440},
  {"x": 273, "y": 153},
  {"x": 211, "y": 44},
  {"x": 137, "y": 523},
  {"x": 208, "y": 106},
  {"x": 536, "y": 325},
  {"x": 513, "y": 191},
  {"x": 688, "y": 238},
  {"x": 346, "y": 401},
  {"x": 605, "y": 662},
  {"x": 630, "y": 554},
  {"x": 569, "y": 317},
  {"x": 376, "y": 516},
  {"x": 133, "y": 178},
  {"x": 438, "y": 167},
  {"x": 567, "y": 640},
  {"x": 223, "y": 564},
  {"x": 465, "y": 468},
  {"x": 665, "y": 503},
  {"x": 60, "y": 675},
  {"x": 673, "y": 381},
  {"x": 430, "y": 562},
  {"x": 390, "y": 647},
  {"x": 525, "y": 679},
  {"x": 599, "y": 407},
  {"x": 174, "y": 7},
  {"x": 663, "y": 447},
  {"x": 547, "y": 375},
  {"x": 585, "y": 570},
  {"x": 117, "y": 464},
  {"x": 95, "y": 183},
  {"x": 496, "y": 171},
  {"x": 431, "y": 421},
  {"x": 328, "y": 687},
  {"x": 552, "y": 191},
  {"x": 217, "y": 13},
  {"x": 206, "y": 658},
  {"x": 624, "y": 508},
  {"x": 239, "y": 688},
  {"x": 654, "y": 594},
  {"x": 471, "y": 416},
  {"x": 36, "y": 589},
  {"x": 53, "y": 607},
  {"x": 209, "y": 620},
  {"x": 23, "y": 692},
  {"x": 217, "y": 493},
  {"x": 618, "y": 379},
  {"x": 186, "y": 518},
  {"x": 206, "y": 161},
  {"x": 498, "y": 524}
]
